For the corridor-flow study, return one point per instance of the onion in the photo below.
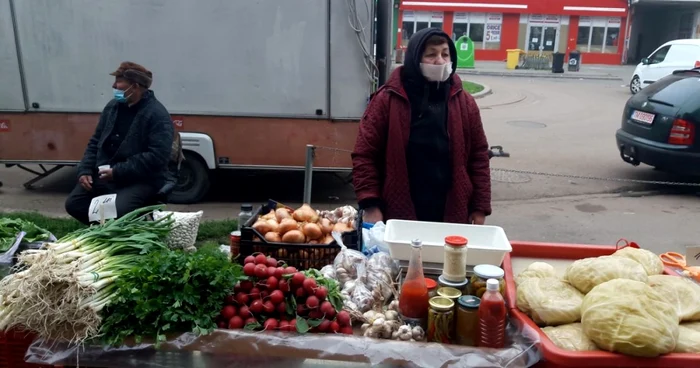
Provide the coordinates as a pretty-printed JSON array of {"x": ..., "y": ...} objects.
[
  {"x": 287, "y": 225},
  {"x": 326, "y": 226},
  {"x": 312, "y": 231},
  {"x": 282, "y": 213},
  {"x": 262, "y": 226},
  {"x": 328, "y": 239},
  {"x": 342, "y": 227},
  {"x": 273, "y": 237},
  {"x": 274, "y": 226},
  {"x": 294, "y": 236},
  {"x": 269, "y": 216},
  {"x": 305, "y": 214},
  {"x": 313, "y": 242}
]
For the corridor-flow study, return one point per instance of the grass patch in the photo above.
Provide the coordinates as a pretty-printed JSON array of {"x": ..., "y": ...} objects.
[
  {"x": 210, "y": 232},
  {"x": 472, "y": 87}
]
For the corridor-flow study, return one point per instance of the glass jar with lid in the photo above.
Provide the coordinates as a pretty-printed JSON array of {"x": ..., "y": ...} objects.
[
  {"x": 467, "y": 320},
  {"x": 461, "y": 286},
  {"x": 441, "y": 320},
  {"x": 432, "y": 287},
  {"x": 449, "y": 293},
  {"x": 454, "y": 267},
  {"x": 477, "y": 283}
]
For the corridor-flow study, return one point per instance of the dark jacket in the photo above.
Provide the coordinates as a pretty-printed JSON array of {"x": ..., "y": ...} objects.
[
  {"x": 380, "y": 164},
  {"x": 145, "y": 151}
]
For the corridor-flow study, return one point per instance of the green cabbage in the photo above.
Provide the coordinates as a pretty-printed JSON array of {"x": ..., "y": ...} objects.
[
  {"x": 570, "y": 337},
  {"x": 536, "y": 269},
  {"x": 549, "y": 301},
  {"x": 683, "y": 294},
  {"x": 651, "y": 262},
  {"x": 587, "y": 273}
]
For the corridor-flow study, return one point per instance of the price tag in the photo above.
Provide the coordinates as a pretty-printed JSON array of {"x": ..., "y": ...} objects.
[
  {"x": 103, "y": 208},
  {"x": 692, "y": 256}
]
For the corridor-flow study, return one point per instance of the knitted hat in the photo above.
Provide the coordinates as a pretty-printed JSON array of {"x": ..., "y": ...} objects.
[{"x": 134, "y": 73}]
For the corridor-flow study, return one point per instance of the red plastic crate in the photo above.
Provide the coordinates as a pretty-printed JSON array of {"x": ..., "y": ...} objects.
[
  {"x": 552, "y": 355},
  {"x": 13, "y": 346}
]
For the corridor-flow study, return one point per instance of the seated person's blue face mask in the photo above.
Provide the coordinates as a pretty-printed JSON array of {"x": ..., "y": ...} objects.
[{"x": 119, "y": 95}]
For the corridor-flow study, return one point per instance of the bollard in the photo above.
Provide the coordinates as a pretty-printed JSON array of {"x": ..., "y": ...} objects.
[{"x": 308, "y": 172}]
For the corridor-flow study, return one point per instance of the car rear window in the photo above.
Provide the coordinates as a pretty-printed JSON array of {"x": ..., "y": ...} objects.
[{"x": 675, "y": 89}]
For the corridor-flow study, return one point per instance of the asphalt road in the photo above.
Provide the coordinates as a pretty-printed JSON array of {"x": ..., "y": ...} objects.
[{"x": 550, "y": 126}]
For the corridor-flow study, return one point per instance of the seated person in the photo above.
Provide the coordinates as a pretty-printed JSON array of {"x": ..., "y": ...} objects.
[{"x": 132, "y": 145}]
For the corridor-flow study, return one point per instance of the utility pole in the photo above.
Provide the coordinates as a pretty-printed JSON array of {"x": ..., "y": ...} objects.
[{"x": 384, "y": 13}]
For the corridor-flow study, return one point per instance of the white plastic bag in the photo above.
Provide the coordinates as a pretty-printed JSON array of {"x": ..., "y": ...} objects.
[
  {"x": 373, "y": 239},
  {"x": 184, "y": 232}
]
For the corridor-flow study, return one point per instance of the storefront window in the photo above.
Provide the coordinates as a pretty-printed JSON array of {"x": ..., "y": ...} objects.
[
  {"x": 484, "y": 29},
  {"x": 598, "y": 34},
  {"x": 415, "y": 21}
]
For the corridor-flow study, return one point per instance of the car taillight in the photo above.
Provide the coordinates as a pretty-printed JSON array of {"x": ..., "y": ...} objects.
[{"x": 682, "y": 133}]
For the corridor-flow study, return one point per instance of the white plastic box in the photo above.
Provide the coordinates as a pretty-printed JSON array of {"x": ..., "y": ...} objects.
[{"x": 487, "y": 244}]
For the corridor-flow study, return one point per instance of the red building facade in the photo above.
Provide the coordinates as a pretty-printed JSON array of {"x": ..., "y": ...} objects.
[{"x": 596, "y": 28}]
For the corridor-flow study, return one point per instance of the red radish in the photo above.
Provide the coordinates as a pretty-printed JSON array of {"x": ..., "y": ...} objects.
[
  {"x": 282, "y": 308},
  {"x": 272, "y": 283},
  {"x": 249, "y": 269},
  {"x": 276, "y": 297},
  {"x": 327, "y": 309},
  {"x": 346, "y": 330},
  {"x": 242, "y": 298},
  {"x": 312, "y": 302},
  {"x": 270, "y": 324},
  {"x": 292, "y": 325},
  {"x": 300, "y": 293},
  {"x": 315, "y": 314},
  {"x": 228, "y": 312},
  {"x": 284, "y": 318},
  {"x": 271, "y": 271},
  {"x": 298, "y": 279},
  {"x": 264, "y": 295},
  {"x": 283, "y": 286},
  {"x": 290, "y": 270},
  {"x": 254, "y": 293},
  {"x": 244, "y": 312},
  {"x": 301, "y": 310},
  {"x": 250, "y": 320},
  {"x": 230, "y": 299},
  {"x": 246, "y": 285},
  {"x": 235, "y": 322},
  {"x": 321, "y": 293},
  {"x": 324, "y": 326},
  {"x": 271, "y": 262},
  {"x": 256, "y": 306},
  {"x": 260, "y": 271},
  {"x": 309, "y": 285},
  {"x": 249, "y": 259},
  {"x": 237, "y": 288},
  {"x": 334, "y": 327},
  {"x": 222, "y": 324},
  {"x": 284, "y": 325},
  {"x": 279, "y": 272},
  {"x": 261, "y": 259},
  {"x": 268, "y": 307},
  {"x": 343, "y": 318}
]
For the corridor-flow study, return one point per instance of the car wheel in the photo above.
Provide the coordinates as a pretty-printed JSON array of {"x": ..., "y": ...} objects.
[
  {"x": 192, "y": 182},
  {"x": 635, "y": 85}
]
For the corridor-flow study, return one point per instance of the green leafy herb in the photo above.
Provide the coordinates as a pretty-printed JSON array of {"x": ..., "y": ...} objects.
[
  {"x": 302, "y": 326},
  {"x": 170, "y": 291},
  {"x": 10, "y": 227}
]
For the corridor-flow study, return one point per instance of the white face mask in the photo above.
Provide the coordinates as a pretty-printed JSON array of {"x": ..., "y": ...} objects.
[{"x": 436, "y": 73}]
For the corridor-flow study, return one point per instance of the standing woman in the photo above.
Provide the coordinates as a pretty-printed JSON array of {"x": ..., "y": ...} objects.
[{"x": 421, "y": 152}]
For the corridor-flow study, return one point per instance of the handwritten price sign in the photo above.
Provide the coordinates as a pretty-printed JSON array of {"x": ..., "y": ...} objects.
[
  {"x": 103, "y": 208},
  {"x": 692, "y": 256}
]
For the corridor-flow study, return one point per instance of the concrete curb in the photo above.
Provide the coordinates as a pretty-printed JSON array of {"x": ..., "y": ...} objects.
[
  {"x": 539, "y": 75},
  {"x": 483, "y": 93}
]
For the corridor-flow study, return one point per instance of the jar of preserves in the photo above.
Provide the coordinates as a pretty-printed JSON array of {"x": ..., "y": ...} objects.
[
  {"x": 461, "y": 286},
  {"x": 235, "y": 245},
  {"x": 477, "y": 284},
  {"x": 467, "y": 320},
  {"x": 449, "y": 293},
  {"x": 432, "y": 287},
  {"x": 454, "y": 267},
  {"x": 440, "y": 320}
]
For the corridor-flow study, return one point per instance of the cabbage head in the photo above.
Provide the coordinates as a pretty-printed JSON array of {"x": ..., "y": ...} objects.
[
  {"x": 688, "y": 341},
  {"x": 549, "y": 301},
  {"x": 692, "y": 325},
  {"x": 629, "y": 317},
  {"x": 570, "y": 337},
  {"x": 682, "y": 293},
  {"x": 651, "y": 262},
  {"x": 587, "y": 273},
  {"x": 536, "y": 269}
]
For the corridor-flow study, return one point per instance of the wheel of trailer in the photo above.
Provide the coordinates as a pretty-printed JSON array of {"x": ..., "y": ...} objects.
[{"x": 193, "y": 181}]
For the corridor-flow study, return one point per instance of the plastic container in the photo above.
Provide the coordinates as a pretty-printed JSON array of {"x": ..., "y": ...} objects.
[
  {"x": 467, "y": 320},
  {"x": 487, "y": 244},
  {"x": 461, "y": 286},
  {"x": 454, "y": 267},
  {"x": 414, "y": 299},
  {"x": 432, "y": 287},
  {"x": 492, "y": 317},
  {"x": 477, "y": 284},
  {"x": 245, "y": 215},
  {"x": 552, "y": 355},
  {"x": 441, "y": 322}
]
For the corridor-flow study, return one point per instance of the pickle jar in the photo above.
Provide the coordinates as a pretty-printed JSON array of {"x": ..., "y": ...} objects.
[
  {"x": 461, "y": 286},
  {"x": 432, "y": 287},
  {"x": 441, "y": 320},
  {"x": 467, "y": 320},
  {"x": 449, "y": 293},
  {"x": 477, "y": 284}
]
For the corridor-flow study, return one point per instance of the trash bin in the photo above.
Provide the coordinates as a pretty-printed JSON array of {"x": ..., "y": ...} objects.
[
  {"x": 513, "y": 58},
  {"x": 574, "y": 61},
  {"x": 557, "y": 62}
]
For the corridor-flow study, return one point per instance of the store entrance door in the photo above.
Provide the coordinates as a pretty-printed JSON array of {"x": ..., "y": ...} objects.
[{"x": 542, "y": 38}]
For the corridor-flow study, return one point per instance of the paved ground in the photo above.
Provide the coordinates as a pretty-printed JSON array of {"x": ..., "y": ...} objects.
[
  {"x": 592, "y": 72},
  {"x": 561, "y": 126}
]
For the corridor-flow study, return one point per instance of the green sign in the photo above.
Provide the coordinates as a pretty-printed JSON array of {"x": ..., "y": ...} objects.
[{"x": 465, "y": 52}]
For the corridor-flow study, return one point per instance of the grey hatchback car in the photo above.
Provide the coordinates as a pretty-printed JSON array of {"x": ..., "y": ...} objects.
[{"x": 659, "y": 124}]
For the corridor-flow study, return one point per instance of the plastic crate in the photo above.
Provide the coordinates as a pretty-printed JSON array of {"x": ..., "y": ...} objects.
[
  {"x": 301, "y": 256},
  {"x": 13, "y": 346},
  {"x": 552, "y": 355}
]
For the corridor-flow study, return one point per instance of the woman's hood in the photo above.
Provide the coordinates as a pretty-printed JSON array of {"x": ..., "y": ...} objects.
[{"x": 414, "y": 53}]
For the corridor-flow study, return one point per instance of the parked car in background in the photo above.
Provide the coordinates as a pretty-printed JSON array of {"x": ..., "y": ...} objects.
[
  {"x": 659, "y": 124},
  {"x": 671, "y": 56}
]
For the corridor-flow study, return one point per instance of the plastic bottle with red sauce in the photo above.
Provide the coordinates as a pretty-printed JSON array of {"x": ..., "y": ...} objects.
[
  {"x": 492, "y": 317},
  {"x": 414, "y": 298}
]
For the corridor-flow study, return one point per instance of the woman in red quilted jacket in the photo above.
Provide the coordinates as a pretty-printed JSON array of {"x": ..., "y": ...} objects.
[{"x": 421, "y": 152}]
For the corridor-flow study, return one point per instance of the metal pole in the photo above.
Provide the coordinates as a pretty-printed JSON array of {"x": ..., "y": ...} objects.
[
  {"x": 308, "y": 172},
  {"x": 384, "y": 19}
]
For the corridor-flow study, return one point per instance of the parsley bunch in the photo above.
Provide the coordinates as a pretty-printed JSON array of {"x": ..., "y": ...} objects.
[{"x": 170, "y": 291}]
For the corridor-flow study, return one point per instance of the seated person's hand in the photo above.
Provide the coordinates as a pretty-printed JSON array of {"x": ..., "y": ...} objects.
[
  {"x": 106, "y": 174},
  {"x": 86, "y": 182}
]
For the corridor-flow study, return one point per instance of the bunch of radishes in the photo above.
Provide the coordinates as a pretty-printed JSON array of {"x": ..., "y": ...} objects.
[{"x": 276, "y": 297}]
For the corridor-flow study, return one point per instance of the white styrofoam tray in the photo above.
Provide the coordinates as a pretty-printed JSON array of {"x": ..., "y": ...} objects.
[{"x": 487, "y": 244}]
